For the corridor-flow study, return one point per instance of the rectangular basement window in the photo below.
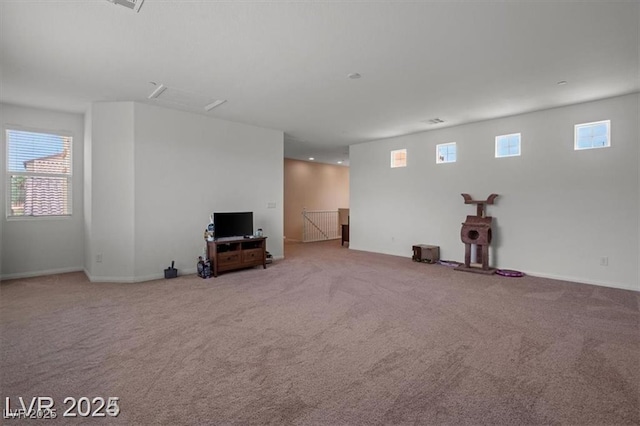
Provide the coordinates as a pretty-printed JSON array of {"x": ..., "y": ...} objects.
[
  {"x": 592, "y": 135},
  {"x": 446, "y": 153},
  {"x": 399, "y": 158},
  {"x": 508, "y": 145}
]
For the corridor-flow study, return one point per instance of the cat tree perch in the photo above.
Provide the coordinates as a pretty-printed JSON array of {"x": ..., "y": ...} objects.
[{"x": 476, "y": 230}]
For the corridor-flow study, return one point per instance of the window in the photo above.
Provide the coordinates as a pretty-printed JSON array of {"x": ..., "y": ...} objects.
[
  {"x": 592, "y": 135},
  {"x": 399, "y": 158},
  {"x": 446, "y": 153},
  {"x": 508, "y": 145},
  {"x": 38, "y": 174}
]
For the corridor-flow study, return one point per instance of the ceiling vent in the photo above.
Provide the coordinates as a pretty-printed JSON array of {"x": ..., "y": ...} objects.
[
  {"x": 184, "y": 99},
  {"x": 131, "y": 4},
  {"x": 434, "y": 121}
]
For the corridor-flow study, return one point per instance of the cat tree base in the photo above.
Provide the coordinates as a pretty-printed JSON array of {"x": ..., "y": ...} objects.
[{"x": 476, "y": 270}]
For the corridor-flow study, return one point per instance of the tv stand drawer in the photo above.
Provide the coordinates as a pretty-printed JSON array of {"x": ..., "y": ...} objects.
[
  {"x": 229, "y": 254},
  {"x": 253, "y": 256},
  {"x": 228, "y": 259}
]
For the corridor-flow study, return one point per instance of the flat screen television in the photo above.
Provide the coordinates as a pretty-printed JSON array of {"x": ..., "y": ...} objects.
[{"x": 233, "y": 224}]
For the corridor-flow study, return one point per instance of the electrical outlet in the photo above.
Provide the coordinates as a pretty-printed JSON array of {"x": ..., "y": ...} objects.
[
  {"x": 271, "y": 205},
  {"x": 99, "y": 258},
  {"x": 604, "y": 261}
]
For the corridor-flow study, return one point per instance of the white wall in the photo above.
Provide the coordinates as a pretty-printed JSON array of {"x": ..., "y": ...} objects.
[
  {"x": 88, "y": 199},
  {"x": 559, "y": 210},
  {"x": 110, "y": 227},
  {"x": 152, "y": 178},
  {"x": 186, "y": 167},
  {"x": 36, "y": 246}
]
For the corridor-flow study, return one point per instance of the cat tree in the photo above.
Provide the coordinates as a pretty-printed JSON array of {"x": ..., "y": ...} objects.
[{"x": 476, "y": 230}]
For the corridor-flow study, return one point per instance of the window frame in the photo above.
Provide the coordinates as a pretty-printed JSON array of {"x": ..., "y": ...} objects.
[
  {"x": 577, "y": 128},
  {"x": 438, "y": 161},
  {"x": 519, "y": 135},
  {"x": 394, "y": 161},
  {"x": 7, "y": 173}
]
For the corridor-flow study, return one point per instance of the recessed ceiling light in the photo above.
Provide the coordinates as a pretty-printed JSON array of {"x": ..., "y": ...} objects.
[
  {"x": 339, "y": 162},
  {"x": 354, "y": 76},
  {"x": 311, "y": 158},
  {"x": 434, "y": 121},
  {"x": 561, "y": 83}
]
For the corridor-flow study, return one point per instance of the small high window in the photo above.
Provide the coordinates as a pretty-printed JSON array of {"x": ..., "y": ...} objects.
[
  {"x": 592, "y": 135},
  {"x": 508, "y": 145},
  {"x": 446, "y": 153},
  {"x": 399, "y": 158}
]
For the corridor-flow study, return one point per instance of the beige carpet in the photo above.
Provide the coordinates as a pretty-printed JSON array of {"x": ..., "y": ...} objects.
[{"x": 328, "y": 336}]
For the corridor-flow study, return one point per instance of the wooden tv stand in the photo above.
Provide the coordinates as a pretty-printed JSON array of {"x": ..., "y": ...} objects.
[{"x": 228, "y": 254}]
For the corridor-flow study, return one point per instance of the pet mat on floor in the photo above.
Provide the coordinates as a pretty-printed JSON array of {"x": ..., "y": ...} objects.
[{"x": 509, "y": 273}]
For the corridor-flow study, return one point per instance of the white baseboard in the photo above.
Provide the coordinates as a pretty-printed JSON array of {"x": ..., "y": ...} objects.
[
  {"x": 582, "y": 281},
  {"x": 32, "y": 274},
  {"x": 151, "y": 277},
  {"x": 107, "y": 279},
  {"x": 139, "y": 279}
]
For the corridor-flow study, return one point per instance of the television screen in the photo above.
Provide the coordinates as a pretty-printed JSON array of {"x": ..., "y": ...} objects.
[{"x": 235, "y": 224}]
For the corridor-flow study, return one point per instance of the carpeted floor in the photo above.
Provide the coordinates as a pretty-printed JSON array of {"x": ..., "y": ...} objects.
[{"x": 328, "y": 336}]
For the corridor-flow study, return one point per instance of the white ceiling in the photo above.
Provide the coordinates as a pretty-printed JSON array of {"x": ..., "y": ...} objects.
[{"x": 284, "y": 64}]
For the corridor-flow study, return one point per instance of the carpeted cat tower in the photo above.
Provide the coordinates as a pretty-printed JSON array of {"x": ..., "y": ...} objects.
[{"x": 476, "y": 230}]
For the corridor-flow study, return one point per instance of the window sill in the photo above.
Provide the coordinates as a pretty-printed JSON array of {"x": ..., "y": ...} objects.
[{"x": 37, "y": 218}]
